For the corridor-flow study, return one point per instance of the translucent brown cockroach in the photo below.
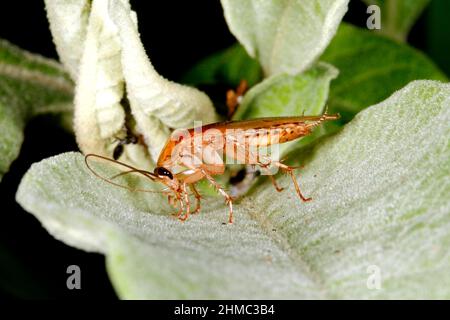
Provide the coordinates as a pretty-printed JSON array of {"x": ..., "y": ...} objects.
[{"x": 198, "y": 153}]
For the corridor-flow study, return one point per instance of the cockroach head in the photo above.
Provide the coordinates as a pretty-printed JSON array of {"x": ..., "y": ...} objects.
[{"x": 162, "y": 172}]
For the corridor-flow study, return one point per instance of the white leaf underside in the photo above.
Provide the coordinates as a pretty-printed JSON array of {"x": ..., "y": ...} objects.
[
  {"x": 285, "y": 36},
  {"x": 68, "y": 23},
  {"x": 113, "y": 59}
]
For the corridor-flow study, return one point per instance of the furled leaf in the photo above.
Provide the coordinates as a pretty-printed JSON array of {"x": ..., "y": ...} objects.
[
  {"x": 380, "y": 209},
  {"x": 155, "y": 102},
  {"x": 398, "y": 16},
  {"x": 99, "y": 114},
  {"x": 284, "y": 36},
  {"x": 383, "y": 67},
  {"x": 115, "y": 69},
  {"x": 29, "y": 85},
  {"x": 68, "y": 23},
  {"x": 228, "y": 67}
]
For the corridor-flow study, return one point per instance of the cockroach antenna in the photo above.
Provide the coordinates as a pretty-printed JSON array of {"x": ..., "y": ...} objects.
[{"x": 147, "y": 174}]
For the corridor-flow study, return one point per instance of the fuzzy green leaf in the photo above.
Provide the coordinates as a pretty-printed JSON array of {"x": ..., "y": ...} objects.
[
  {"x": 383, "y": 67},
  {"x": 286, "y": 95},
  {"x": 114, "y": 68},
  {"x": 284, "y": 36},
  {"x": 29, "y": 85},
  {"x": 380, "y": 204}
]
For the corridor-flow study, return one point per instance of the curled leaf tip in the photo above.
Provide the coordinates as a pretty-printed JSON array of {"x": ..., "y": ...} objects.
[{"x": 119, "y": 92}]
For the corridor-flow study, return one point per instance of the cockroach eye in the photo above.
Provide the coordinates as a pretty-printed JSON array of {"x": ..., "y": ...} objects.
[{"x": 163, "y": 172}]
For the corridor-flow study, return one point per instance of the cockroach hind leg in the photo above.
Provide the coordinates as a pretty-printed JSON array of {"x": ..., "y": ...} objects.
[
  {"x": 271, "y": 177},
  {"x": 275, "y": 184},
  {"x": 229, "y": 202},
  {"x": 290, "y": 171}
]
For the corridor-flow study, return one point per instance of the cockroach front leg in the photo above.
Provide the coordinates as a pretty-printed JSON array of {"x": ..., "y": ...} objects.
[
  {"x": 180, "y": 200},
  {"x": 205, "y": 172},
  {"x": 180, "y": 212}
]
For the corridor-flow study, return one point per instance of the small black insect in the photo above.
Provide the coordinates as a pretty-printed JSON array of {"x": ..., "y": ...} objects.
[{"x": 118, "y": 150}]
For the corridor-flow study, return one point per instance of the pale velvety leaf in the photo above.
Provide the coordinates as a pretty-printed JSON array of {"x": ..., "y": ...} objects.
[
  {"x": 387, "y": 66},
  {"x": 68, "y": 23},
  {"x": 286, "y": 95},
  {"x": 287, "y": 35},
  {"x": 380, "y": 202},
  {"x": 99, "y": 114},
  {"x": 398, "y": 16},
  {"x": 29, "y": 85},
  {"x": 157, "y": 103},
  {"x": 115, "y": 66}
]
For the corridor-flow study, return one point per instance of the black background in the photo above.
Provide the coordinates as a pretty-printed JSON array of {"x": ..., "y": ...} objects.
[{"x": 176, "y": 34}]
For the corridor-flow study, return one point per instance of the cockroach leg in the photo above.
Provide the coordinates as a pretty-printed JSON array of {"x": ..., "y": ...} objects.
[
  {"x": 198, "y": 197},
  {"x": 243, "y": 154},
  {"x": 297, "y": 188},
  {"x": 264, "y": 166},
  {"x": 187, "y": 202},
  {"x": 228, "y": 199},
  {"x": 171, "y": 200},
  {"x": 179, "y": 214},
  {"x": 234, "y": 97},
  {"x": 290, "y": 171},
  {"x": 275, "y": 184}
]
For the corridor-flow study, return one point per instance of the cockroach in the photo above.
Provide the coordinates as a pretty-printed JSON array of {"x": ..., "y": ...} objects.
[
  {"x": 234, "y": 97},
  {"x": 198, "y": 153}
]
